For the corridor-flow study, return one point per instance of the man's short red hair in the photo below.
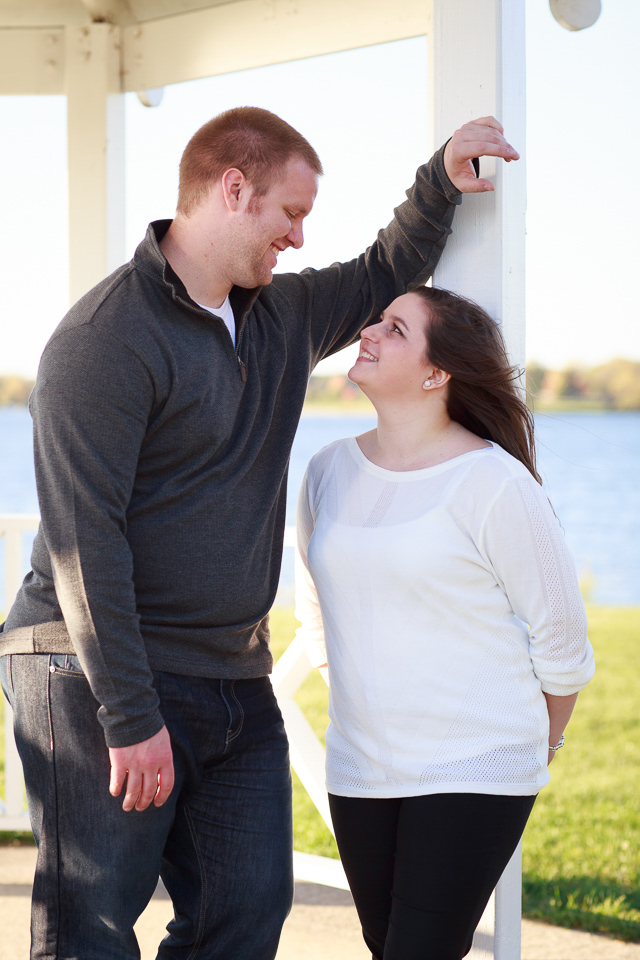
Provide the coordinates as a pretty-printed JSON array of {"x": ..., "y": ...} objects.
[{"x": 253, "y": 140}]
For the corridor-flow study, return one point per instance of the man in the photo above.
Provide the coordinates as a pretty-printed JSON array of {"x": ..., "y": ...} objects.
[{"x": 164, "y": 413}]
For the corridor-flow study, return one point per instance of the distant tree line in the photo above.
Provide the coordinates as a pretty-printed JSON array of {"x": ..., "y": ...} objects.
[
  {"x": 614, "y": 385},
  {"x": 14, "y": 391},
  {"x": 334, "y": 391}
]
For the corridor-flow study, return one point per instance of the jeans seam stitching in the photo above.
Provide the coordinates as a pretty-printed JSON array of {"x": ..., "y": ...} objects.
[
  {"x": 231, "y": 736},
  {"x": 55, "y": 790},
  {"x": 61, "y": 672},
  {"x": 229, "y": 714},
  {"x": 203, "y": 879},
  {"x": 49, "y": 719},
  {"x": 240, "y": 725}
]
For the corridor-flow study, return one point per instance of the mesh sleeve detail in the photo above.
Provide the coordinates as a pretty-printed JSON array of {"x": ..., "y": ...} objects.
[{"x": 539, "y": 578}]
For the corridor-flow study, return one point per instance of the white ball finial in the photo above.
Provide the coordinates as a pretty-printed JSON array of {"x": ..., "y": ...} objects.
[
  {"x": 576, "y": 14},
  {"x": 151, "y": 98}
]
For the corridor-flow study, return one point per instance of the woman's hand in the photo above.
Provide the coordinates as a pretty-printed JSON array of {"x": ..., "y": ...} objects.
[{"x": 478, "y": 138}]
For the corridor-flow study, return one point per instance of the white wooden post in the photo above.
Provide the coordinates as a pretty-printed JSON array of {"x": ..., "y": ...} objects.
[
  {"x": 476, "y": 69},
  {"x": 508, "y": 910},
  {"x": 96, "y": 137}
]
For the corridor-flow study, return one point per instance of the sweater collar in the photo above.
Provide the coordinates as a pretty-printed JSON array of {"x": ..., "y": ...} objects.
[{"x": 150, "y": 259}]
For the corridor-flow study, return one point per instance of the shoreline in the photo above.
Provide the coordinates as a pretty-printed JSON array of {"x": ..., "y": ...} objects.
[
  {"x": 310, "y": 410},
  {"x": 367, "y": 410}
]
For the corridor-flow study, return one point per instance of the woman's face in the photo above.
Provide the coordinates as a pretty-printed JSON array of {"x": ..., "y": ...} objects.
[{"x": 392, "y": 352}]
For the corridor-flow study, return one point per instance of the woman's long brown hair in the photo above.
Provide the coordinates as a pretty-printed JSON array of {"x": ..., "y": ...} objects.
[{"x": 464, "y": 341}]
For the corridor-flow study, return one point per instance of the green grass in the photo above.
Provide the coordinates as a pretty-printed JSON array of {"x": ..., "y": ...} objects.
[
  {"x": 582, "y": 845},
  {"x": 581, "y": 862}
]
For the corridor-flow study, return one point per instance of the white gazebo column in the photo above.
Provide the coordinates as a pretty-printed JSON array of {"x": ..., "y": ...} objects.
[
  {"x": 476, "y": 69},
  {"x": 95, "y": 121}
]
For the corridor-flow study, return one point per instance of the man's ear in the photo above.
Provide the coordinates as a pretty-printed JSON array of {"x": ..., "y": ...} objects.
[{"x": 234, "y": 188}]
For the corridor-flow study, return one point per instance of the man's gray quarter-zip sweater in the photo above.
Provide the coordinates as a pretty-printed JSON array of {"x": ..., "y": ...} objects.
[{"x": 161, "y": 460}]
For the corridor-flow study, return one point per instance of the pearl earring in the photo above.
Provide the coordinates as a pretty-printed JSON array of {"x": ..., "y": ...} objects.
[{"x": 426, "y": 384}]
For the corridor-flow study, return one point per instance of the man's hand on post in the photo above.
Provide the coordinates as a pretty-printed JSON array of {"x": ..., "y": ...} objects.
[
  {"x": 148, "y": 769},
  {"x": 479, "y": 138}
]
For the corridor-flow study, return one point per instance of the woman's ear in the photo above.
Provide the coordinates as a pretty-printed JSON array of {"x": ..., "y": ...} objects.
[
  {"x": 437, "y": 378},
  {"x": 440, "y": 377}
]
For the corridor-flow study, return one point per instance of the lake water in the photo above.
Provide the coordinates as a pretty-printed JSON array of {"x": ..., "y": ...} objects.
[{"x": 590, "y": 463}]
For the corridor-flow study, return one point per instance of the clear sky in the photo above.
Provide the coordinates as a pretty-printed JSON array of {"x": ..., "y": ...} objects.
[{"x": 365, "y": 113}]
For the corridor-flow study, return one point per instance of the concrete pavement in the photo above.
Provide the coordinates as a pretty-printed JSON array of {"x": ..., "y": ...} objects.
[{"x": 322, "y": 926}]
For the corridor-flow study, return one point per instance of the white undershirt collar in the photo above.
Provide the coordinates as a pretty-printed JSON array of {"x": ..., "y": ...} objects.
[{"x": 225, "y": 313}]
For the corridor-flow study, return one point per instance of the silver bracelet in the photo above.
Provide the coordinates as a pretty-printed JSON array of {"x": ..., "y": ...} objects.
[{"x": 559, "y": 744}]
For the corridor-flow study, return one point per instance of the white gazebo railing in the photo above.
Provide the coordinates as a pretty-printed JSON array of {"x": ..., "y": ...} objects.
[
  {"x": 498, "y": 934},
  {"x": 13, "y": 811},
  {"x": 307, "y": 754}
]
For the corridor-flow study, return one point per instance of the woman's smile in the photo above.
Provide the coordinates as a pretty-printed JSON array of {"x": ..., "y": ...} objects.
[{"x": 365, "y": 355}]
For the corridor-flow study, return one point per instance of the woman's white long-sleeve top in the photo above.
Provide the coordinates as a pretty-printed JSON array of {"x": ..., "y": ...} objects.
[{"x": 445, "y": 602}]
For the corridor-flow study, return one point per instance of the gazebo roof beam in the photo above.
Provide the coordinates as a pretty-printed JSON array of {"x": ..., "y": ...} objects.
[
  {"x": 66, "y": 13},
  {"x": 203, "y": 43},
  {"x": 110, "y": 11},
  {"x": 32, "y": 61},
  {"x": 31, "y": 14}
]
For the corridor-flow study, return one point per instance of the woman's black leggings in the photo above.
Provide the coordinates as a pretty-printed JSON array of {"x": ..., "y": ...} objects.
[{"x": 422, "y": 869}]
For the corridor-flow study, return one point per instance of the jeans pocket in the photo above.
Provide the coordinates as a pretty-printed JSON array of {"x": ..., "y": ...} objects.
[{"x": 65, "y": 663}]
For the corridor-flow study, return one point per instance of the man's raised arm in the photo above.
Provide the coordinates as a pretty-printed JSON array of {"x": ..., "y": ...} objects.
[{"x": 340, "y": 300}]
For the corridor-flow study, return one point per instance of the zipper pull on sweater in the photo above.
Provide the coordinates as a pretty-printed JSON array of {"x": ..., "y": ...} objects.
[{"x": 243, "y": 370}]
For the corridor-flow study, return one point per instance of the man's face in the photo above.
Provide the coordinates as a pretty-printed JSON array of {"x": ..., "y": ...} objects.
[{"x": 271, "y": 223}]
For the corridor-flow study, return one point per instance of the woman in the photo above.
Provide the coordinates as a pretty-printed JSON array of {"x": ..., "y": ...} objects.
[{"x": 426, "y": 547}]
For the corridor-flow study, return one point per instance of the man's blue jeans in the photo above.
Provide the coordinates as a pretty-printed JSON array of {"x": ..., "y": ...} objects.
[{"x": 222, "y": 842}]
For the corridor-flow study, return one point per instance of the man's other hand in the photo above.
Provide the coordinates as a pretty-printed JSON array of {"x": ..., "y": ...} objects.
[
  {"x": 479, "y": 138},
  {"x": 148, "y": 769}
]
